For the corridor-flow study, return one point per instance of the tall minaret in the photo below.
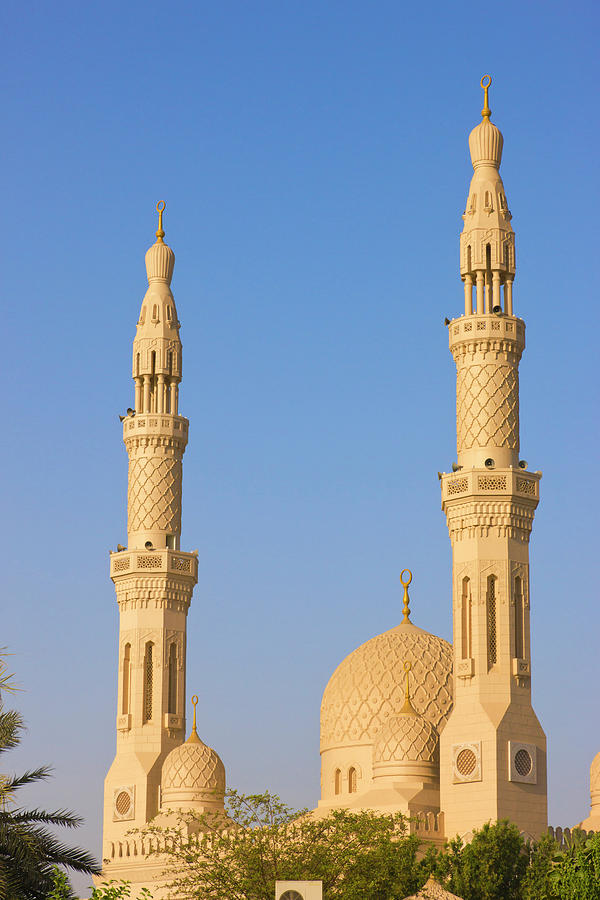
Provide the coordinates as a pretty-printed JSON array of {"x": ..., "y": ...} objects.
[
  {"x": 493, "y": 749},
  {"x": 154, "y": 580}
]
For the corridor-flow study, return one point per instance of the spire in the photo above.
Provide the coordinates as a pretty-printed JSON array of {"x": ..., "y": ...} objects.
[
  {"x": 193, "y": 738},
  {"x": 408, "y": 709},
  {"x": 406, "y": 601},
  {"x": 160, "y": 259},
  {"x": 160, "y": 209},
  {"x": 486, "y": 111}
]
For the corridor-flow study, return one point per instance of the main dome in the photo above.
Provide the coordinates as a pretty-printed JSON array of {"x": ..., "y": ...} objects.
[{"x": 368, "y": 686}]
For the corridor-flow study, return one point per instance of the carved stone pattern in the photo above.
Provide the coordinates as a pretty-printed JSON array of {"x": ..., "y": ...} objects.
[
  {"x": 525, "y": 486},
  {"x": 193, "y": 766},
  {"x": 457, "y": 486},
  {"x": 120, "y": 564},
  {"x": 149, "y": 562},
  {"x": 487, "y": 406},
  {"x": 511, "y": 519},
  {"x": 368, "y": 686},
  {"x": 154, "y": 494},
  {"x": 406, "y": 738},
  {"x": 491, "y": 482},
  {"x": 180, "y": 564}
]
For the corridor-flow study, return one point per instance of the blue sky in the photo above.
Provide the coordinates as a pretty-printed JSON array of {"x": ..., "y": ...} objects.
[{"x": 314, "y": 162}]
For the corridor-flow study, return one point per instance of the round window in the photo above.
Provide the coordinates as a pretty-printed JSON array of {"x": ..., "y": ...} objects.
[
  {"x": 466, "y": 762},
  {"x": 523, "y": 762},
  {"x": 123, "y": 803},
  {"x": 291, "y": 895}
]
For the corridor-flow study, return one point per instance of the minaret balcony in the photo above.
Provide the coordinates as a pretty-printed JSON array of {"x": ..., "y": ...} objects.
[
  {"x": 467, "y": 484},
  {"x": 159, "y": 424},
  {"x": 507, "y": 330},
  {"x": 163, "y": 562}
]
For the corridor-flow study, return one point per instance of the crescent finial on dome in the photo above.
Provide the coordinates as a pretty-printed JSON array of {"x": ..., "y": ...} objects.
[
  {"x": 408, "y": 708},
  {"x": 193, "y": 738},
  {"x": 160, "y": 208},
  {"x": 406, "y": 601},
  {"x": 486, "y": 111}
]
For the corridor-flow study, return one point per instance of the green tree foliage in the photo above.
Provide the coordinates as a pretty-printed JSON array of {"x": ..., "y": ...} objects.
[
  {"x": 491, "y": 867},
  {"x": 118, "y": 890},
  {"x": 576, "y": 871},
  {"x": 355, "y": 854},
  {"x": 29, "y": 851}
]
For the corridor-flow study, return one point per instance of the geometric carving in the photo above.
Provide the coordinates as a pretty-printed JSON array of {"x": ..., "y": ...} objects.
[
  {"x": 491, "y": 482},
  {"x": 368, "y": 686},
  {"x": 466, "y": 762},
  {"x": 180, "y": 564},
  {"x": 457, "y": 486},
  {"x": 154, "y": 494},
  {"x": 522, "y": 760},
  {"x": 525, "y": 486},
  {"x": 487, "y": 406},
  {"x": 124, "y": 803}
]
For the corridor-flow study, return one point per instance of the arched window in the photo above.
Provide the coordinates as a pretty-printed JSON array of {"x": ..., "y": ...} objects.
[
  {"x": 519, "y": 649},
  {"x": 148, "y": 680},
  {"x": 143, "y": 315},
  {"x": 155, "y": 313},
  {"x": 352, "y": 780},
  {"x": 473, "y": 203},
  {"x": 153, "y": 361},
  {"x": 169, "y": 313},
  {"x": 466, "y": 619},
  {"x": 469, "y": 266},
  {"x": 488, "y": 201},
  {"x": 126, "y": 695},
  {"x": 492, "y": 637},
  {"x": 137, "y": 363},
  {"x": 337, "y": 780},
  {"x": 170, "y": 362},
  {"x": 172, "y": 700}
]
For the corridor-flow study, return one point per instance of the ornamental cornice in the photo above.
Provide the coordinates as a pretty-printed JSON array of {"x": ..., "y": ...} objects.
[{"x": 486, "y": 333}]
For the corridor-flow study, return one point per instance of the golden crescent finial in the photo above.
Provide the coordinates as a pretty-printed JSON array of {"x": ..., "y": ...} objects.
[
  {"x": 194, "y": 734},
  {"x": 408, "y": 708},
  {"x": 405, "y": 584},
  {"x": 160, "y": 207},
  {"x": 486, "y": 111}
]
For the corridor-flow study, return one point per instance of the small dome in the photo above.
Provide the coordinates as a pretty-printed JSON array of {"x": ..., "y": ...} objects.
[
  {"x": 485, "y": 144},
  {"x": 407, "y": 737},
  {"x": 191, "y": 774},
  {"x": 160, "y": 260},
  {"x": 368, "y": 686}
]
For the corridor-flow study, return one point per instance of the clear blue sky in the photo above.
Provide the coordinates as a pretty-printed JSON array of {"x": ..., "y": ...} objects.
[{"x": 314, "y": 161}]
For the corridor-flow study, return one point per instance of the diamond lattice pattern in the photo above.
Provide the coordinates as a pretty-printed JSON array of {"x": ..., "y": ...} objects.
[
  {"x": 193, "y": 766},
  {"x": 368, "y": 686},
  {"x": 406, "y": 737},
  {"x": 487, "y": 406},
  {"x": 154, "y": 495}
]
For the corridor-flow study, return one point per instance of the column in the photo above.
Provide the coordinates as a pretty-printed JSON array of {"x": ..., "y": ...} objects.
[
  {"x": 508, "y": 306},
  {"x": 480, "y": 308},
  {"x": 468, "y": 295}
]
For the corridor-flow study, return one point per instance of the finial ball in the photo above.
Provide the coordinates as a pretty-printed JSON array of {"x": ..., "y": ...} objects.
[
  {"x": 408, "y": 580},
  {"x": 489, "y": 81}
]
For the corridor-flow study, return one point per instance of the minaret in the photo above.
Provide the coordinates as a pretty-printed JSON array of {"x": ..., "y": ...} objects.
[
  {"x": 493, "y": 749},
  {"x": 153, "y": 578}
]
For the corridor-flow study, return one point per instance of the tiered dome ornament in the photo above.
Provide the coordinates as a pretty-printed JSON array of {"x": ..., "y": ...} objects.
[
  {"x": 407, "y": 745},
  {"x": 193, "y": 776},
  {"x": 368, "y": 688}
]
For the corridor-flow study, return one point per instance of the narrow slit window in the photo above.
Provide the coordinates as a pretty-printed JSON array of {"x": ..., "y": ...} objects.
[
  {"x": 466, "y": 619},
  {"x": 352, "y": 781},
  {"x": 337, "y": 778},
  {"x": 492, "y": 637},
  {"x": 172, "y": 705},
  {"x": 519, "y": 651},
  {"x": 148, "y": 681},
  {"x": 125, "y": 700}
]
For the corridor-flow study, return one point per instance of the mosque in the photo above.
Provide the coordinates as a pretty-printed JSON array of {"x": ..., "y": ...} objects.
[{"x": 409, "y": 723}]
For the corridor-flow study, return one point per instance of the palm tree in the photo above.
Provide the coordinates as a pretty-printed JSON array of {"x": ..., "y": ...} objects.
[{"x": 29, "y": 851}]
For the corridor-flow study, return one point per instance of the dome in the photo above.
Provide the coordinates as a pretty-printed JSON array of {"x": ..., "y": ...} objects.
[
  {"x": 368, "y": 686},
  {"x": 406, "y": 737},
  {"x": 485, "y": 144},
  {"x": 192, "y": 773},
  {"x": 595, "y": 777},
  {"x": 160, "y": 261}
]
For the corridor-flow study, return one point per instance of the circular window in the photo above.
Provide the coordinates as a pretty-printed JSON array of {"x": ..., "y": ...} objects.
[
  {"x": 123, "y": 803},
  {"x": 466, "y": 762},
  {"x": 291, "y": 895},
  {"x": 523, "y": 762}
]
